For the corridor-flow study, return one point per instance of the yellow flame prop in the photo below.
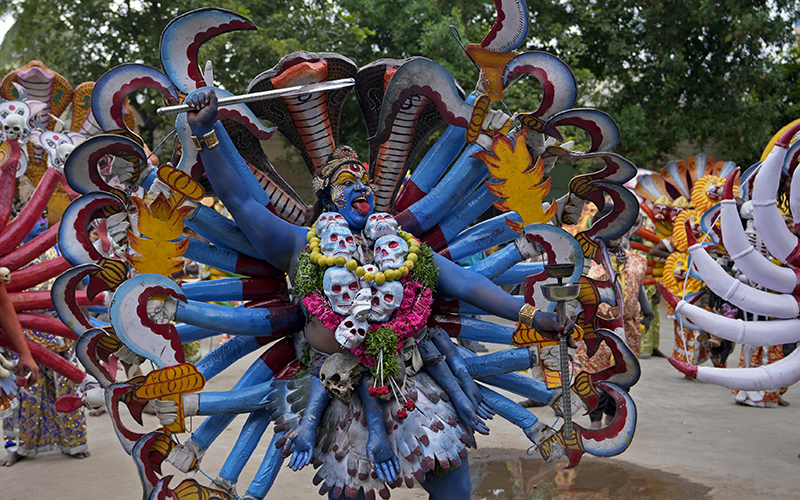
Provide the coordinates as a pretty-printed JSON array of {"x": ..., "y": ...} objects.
[{"x": 518, "y": 183}]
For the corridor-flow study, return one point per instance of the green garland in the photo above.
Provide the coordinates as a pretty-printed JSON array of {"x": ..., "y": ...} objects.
[
  {"x": 425, "y": 270},
  {"x": 384, "y": 340},
  {"x": 308, "y": 277}
]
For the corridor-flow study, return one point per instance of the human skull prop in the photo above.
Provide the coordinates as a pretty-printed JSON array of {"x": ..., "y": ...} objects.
[
  {"x": 380, "y": 224},
  {"x": 386, "y": 298},
  {"x": 14, "y": 127},
  {"x": 340, "y": 374},
  {"x": 328, "y": 219},
  {"x": 15, "y": 114},
  {"x": 389, "y": 252},
  {"x": 351, "y": 332},
  {"x": 362, "y": 304},
  {"x": 340, "y": 286},
  {"x": 338, "y": 240}
]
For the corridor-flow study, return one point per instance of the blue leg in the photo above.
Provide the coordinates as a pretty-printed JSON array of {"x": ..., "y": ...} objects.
[
  {"x": 266, "y": 472},
  {"x": 245, "y": 445},
  {"x": 454, "y": 484}
]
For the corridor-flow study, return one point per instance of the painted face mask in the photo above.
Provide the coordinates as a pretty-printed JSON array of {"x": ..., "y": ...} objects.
[{"x": 352, "y": 195}]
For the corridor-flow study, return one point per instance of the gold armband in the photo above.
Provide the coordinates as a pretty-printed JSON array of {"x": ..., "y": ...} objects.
[
  {"x": 210, "y": 139},
  {"x": 526, "y": 314}
]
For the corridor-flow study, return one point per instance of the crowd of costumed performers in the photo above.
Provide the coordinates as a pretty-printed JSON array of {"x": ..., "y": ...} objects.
[
  {"x": 354, "y": 302},
  {"x": 716, "y": 262},
  {"x": 33, "y": 195},
  {"x": 751, "y": 281}
]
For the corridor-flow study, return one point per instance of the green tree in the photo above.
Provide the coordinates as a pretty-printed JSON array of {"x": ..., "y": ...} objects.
[{"x": 670, "y": 72}]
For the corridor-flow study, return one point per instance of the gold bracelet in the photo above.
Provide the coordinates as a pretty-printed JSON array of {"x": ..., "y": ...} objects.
[
  {"x": 526, "y": 314},
  {"x": 210, "y": 139}
]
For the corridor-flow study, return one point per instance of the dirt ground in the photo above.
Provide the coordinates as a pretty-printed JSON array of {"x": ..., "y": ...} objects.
[{"x": 691, "y": 441}]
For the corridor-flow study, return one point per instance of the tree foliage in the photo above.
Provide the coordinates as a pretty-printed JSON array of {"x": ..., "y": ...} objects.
[{"x": 672, "y": 72}]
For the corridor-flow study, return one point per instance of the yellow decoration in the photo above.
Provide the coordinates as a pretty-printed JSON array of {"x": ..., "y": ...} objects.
[
  {"x": 521, "y": 186},
  {"x": 159, "y": 223},
  {"x": 181, "y": 183},
  {"x": 700, "y": 192},
  {"x": 379, "y": 278},
  {"x": 352, "y": 265},
  {"x": 526, "y": 335},
  {"x": 479, "y": 110},
  {"x": 492, "y": 65},
  {"x": 169, "y": 383},
  {"x": 676, "y": 269}
]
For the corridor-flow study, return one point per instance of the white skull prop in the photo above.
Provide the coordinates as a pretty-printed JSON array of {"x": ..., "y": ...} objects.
[
  {"x": 338, "y": 240},
  {"x": 351, "y": 332},
  {"x": 340, "y": 286},
  {"x": 390, "y": 252},
  {"x": 328, "y": 219},
  {"x": 385, "y": 299},
  {"x": 15, "y": 116},
  {"x": 380, "y": 224},
  {"x": 14, "y": 127},
  {"x": 63, "y": 151},
  {"x": 56, "y": 145}
]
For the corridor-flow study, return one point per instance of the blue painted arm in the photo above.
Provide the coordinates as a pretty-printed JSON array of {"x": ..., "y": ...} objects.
[
  {"x": 253, "y": 322},
  {"x": 279, "y": 242},
  {"x": 246, "y": 443},
  {"x": 497, "y": 363},
  {"x": 244, "y": 400},
  {"x": 267, "y": 471},
  {"x": 226, "y": 354},
  {"x": 467, "y": 412},
  {"x": 379, "y": 450},
  {"x": 300, "y": 441},
  {"x": 459, "y": 369},
  {"x": 219, "y": 230},
  {"x": 457, "y": 282}
]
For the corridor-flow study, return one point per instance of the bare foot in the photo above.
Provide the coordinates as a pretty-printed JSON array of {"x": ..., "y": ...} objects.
[
  {"x": 10, "y": 459},
  {"x": 81, "y": 455},
  {"x": 782, "y": 402}
]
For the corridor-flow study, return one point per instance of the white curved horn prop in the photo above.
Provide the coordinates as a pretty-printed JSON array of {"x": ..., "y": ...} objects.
[
  {"x": 781, "y": 331},
  {"x": 768, "y": 218},
  {"x": 754, "y": 265},
  {"x": 782, "y": 373},
  {"x": 736, "y": 292}
]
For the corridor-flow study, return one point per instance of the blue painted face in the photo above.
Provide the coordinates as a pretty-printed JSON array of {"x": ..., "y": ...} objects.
[{"x": 353, "y": 198}]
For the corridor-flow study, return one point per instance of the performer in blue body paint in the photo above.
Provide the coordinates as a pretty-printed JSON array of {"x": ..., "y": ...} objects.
[{"x": 391, "y": 401}]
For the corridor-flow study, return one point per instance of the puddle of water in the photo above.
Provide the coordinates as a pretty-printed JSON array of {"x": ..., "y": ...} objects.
[{"x": 592, "y": 479}]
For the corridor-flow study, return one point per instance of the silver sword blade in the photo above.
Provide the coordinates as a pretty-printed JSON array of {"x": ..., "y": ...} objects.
[{"x": 267, "y": 94}]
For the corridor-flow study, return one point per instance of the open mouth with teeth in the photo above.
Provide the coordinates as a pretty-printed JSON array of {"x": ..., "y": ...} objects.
[{"x": 361, "y": 205}]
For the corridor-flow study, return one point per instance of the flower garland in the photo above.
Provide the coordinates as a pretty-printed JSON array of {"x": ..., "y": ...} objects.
[
  {"x": 409, "y": 318},
  {"x": 419, "y": 277}
]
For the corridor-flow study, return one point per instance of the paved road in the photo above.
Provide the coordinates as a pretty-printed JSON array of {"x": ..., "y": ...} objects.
[{"x": 692, "y": 441}]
